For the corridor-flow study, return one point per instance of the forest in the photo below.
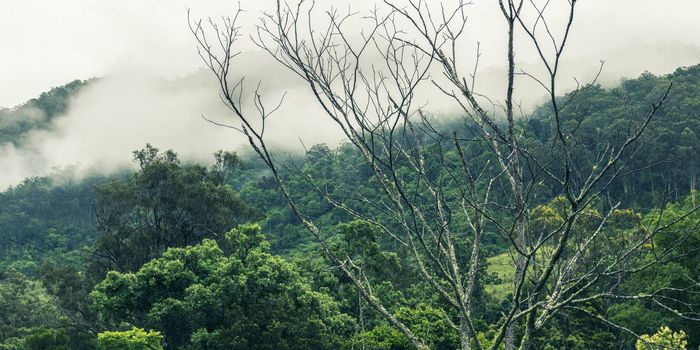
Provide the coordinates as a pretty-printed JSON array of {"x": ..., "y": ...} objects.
[
  {"x": 195, "y": 256},
  {"x": 573, "y": 226}
]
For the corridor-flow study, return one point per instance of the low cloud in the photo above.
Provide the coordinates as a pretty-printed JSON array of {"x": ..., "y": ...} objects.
[
  {"x": 131, "y": 106},
  {"x": 115, "y": 115}
]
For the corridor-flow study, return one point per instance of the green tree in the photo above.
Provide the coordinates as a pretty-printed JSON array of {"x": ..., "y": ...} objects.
[
  {"x": 165, "y": 204},
  {"x": 689, "y": 150},
  {"x": 202, "y": 298},
  {"x": 665, "y": 338},
  {"x": 676, "y": 245},
  {"x": 25, "y": 304},
  {"x": 134, "y": 339},
  {"x": 359, "y": 240},
  {"x": 47, "y": 339}
]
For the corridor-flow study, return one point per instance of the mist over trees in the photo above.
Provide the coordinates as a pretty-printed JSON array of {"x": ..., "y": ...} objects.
[
  {"x": 575, "y": 226},
  {"x": 37, "y": 113}
]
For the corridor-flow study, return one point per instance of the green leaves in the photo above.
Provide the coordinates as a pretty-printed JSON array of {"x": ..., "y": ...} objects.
[
  {"x": 134, "y": 339},
  {"x": 359, "y": 240},
  {"x": 201, "y": 298},
  {"x": 665, "y": 338},
  {"x": 165, "y": 204},
  {"x": 24, "y": 304},
  {"x": 245, "y": 238}
]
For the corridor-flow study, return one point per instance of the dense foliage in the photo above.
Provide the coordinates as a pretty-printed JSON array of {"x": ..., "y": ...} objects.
[
  {"x": 47, "y": 219},
  {"x": 134, "y": 339},
  {"x": 202, "y": 298},
  {"x": 165, "y": 204},
  {"x": 167, "y": 256}
]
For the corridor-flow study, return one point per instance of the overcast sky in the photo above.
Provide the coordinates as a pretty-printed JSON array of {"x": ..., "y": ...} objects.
[
  {"x": 47, "y": 43},
  {"x": 155, "y": 91}
]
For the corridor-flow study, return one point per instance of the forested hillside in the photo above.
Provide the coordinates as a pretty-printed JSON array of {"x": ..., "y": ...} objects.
[
  {"x": 188, "y": 256},
  {"x": 37, "y": 113}
]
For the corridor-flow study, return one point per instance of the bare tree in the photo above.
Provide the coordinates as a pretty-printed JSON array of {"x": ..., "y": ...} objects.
[{"x": 368, "y": 85}]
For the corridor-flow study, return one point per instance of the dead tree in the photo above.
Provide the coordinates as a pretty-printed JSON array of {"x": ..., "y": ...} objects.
[{"x": 369, "y": 87}]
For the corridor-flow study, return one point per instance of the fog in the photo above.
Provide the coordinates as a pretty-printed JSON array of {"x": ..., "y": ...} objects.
[
  {"x": 154, "y": 90},
  {"x": 120, "y": 113}
]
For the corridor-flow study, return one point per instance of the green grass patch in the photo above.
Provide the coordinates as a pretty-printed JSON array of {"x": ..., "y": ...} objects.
[{"x": 501, "y": 265}]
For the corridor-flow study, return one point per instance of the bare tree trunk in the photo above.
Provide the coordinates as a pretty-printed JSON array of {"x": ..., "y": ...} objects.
[{"x": 511, "y": 12}]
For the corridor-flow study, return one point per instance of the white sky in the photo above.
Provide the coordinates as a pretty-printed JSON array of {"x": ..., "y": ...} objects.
[{"x": 44, "y": 43}]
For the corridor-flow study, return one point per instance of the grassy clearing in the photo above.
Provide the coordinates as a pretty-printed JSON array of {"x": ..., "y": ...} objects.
[{"x": 502, "y": 265}]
